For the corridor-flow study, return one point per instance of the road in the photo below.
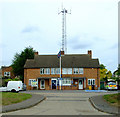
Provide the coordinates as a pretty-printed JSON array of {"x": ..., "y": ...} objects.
[{"x": 62, "y": 103}]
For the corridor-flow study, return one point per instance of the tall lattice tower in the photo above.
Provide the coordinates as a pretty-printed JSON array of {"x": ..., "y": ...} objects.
[{"x": 64, "y": 36}]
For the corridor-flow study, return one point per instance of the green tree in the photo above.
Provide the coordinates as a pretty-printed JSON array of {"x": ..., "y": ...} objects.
[
  {"x": 19, "y": 61},
  {"x": 102, "y": 66},
  {"x": 104, "y": 73}
]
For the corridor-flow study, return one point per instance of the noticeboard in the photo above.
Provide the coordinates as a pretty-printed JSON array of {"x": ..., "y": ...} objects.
[{"x": 34, "y": 83}]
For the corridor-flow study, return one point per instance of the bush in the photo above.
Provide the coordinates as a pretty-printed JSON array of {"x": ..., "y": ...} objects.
[{"x": 15, "y": 79}]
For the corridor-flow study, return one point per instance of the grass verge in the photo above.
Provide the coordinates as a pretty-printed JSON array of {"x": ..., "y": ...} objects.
[
  {"x": 113, "y": 99},
  {"x": 12, "y": 98}
]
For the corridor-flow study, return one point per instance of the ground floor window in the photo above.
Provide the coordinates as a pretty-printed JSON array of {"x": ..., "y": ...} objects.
[
  {"x": 66, "y": 81},
  {"x": 30, "y": 81},
  {"x": 91, "y": 81}
]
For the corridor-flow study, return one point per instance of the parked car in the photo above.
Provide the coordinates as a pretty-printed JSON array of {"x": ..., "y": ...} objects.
[
  {"x": 14, "y": 86},
  {"x": 24, "y": 87},
  {"x": 111, "y": 86}
]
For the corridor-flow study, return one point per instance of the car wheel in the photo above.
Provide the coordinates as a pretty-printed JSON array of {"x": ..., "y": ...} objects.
[{"x": 13, "y": 90}]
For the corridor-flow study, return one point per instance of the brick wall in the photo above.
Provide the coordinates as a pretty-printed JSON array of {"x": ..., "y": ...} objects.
[
  {"x": 8, "y": 69},
  {"x": 89, "y": 73}
]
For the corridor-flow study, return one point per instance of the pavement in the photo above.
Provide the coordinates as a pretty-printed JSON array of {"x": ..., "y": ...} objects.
[
  {"x": 34, "y": 100},
  {"x": 97, "y": 101},
  {"x": 100, "y": 104}
]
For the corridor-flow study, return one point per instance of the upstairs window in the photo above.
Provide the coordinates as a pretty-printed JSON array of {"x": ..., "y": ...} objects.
[
  {"x": 57, "y": 71},
  {"x": 69, "y": 70},
  {"x": 75, "y": 71},
  {"x": 52, "y": 70},
  {"x": 80, "y": 70},
  {"x": 47, "y": 70},
  {"x": 42, "y": 70},
  {"x": 7, "y": 74},
  {"x": 64, "y": 70}
]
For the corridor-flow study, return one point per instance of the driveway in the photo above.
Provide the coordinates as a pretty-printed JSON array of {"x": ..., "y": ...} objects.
[{"x": 62, "y": 103}]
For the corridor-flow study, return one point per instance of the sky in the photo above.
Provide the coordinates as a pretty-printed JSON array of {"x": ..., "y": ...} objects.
[{"x": 92, "y": 25}]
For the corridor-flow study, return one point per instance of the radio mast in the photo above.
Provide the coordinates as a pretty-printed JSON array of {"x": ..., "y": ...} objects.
[{"x": 64, "y": 37}]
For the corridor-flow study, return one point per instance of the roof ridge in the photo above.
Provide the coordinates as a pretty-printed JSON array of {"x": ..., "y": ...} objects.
[{"x": 65, "y": 55}]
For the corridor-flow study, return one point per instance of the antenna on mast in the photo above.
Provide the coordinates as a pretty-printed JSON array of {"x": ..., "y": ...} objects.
[{"x": 64, "y": 36}]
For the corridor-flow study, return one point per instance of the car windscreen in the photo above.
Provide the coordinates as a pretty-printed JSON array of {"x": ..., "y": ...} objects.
[{"x": 111, "y": 83}]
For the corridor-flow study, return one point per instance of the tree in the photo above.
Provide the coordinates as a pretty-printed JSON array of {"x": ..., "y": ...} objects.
[
  {"x": 104, "y": 73},
  {"x": 102, "y": 66},
  {"x": 19, "y": 61}
]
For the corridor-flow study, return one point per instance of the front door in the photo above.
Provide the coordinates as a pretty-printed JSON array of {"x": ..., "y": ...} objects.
[
  {"x": 54, "y": 84},
  {"x": 80, "y": 84},
  {"x": 42, "y": 84}
]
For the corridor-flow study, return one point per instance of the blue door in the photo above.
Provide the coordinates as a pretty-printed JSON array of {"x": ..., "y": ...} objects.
[{"x": 53, "y": 84}]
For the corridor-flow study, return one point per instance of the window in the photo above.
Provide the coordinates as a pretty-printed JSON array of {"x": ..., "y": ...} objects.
[
  {"x": 64, "y": 70},
  {"x": 91, "y": 81},
  {"x": 66, "y": 81},
  {"x": 75, "y": 70},
  {"x": 80, "y": 70},
  {"x": 52, "y": 70},
  {"x": 42, "y": 70},
  {"x": 69, "y": 71},
  {"x": 30, "y": 80},
  {"x": 47, "y": 71},
  {"x": 57, "y": 71},
  {"x": 6, "y": 73}
]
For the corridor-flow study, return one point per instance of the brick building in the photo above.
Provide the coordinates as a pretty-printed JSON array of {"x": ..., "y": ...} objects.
[
  {"x": 79, "y": 71},
  {"x": 7, "y": 72}
]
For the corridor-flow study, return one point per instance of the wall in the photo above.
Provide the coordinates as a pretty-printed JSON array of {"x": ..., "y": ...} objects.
[
  {"x": 89, "y": 73},
  {"x": 8, "y": 69}
]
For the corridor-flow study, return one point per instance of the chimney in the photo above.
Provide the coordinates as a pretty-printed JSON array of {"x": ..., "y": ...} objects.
[
  {"x": 90, "y": 53},
  {"x": 62, "y": 53},
  {"x": 35, "y": 53}
]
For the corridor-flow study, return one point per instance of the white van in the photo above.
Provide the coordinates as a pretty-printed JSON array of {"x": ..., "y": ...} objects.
[{"x": 14, "y": 86}]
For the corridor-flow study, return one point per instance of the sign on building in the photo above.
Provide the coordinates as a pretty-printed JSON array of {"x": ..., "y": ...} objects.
[{"x": 34, "y": 83}]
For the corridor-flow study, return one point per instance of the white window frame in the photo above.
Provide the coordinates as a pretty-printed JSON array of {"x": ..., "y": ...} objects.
[
  {"x": 52, "y": 70},
  {"x": 47, "y": 71},
  {"x": 69, "y": 71},
  {"x": 91, "y": 80},
  {"x": 7, "y": 74},
  {"x": 66, "y": 81},
  {"x": 74, "y": 71},
  {"x": 57, "y": 70},
  {"x": 64, "y": 70},
  {"x": 42, "y": 71},
  {"x": 31, "y": 80},
  {"x": 81, "y": 70}
]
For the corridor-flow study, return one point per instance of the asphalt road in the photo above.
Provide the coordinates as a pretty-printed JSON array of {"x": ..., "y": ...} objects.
[{"x": 62, "y": 103}]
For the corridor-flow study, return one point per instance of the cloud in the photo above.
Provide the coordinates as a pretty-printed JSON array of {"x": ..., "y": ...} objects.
[
  {"x": 80, "y": 46},
  {"x": 114, "y": 46},
  {"x": 81, "y": 41},
  {"x": 2, "y": 45},
  {"x": 29, "y": 29}
]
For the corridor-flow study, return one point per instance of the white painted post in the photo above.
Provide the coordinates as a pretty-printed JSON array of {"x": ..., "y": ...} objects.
[{"x": 60, "y": 73}]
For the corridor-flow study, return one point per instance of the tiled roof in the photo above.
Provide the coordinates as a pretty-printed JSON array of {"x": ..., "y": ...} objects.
[{"x": 68, "y": 61}]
